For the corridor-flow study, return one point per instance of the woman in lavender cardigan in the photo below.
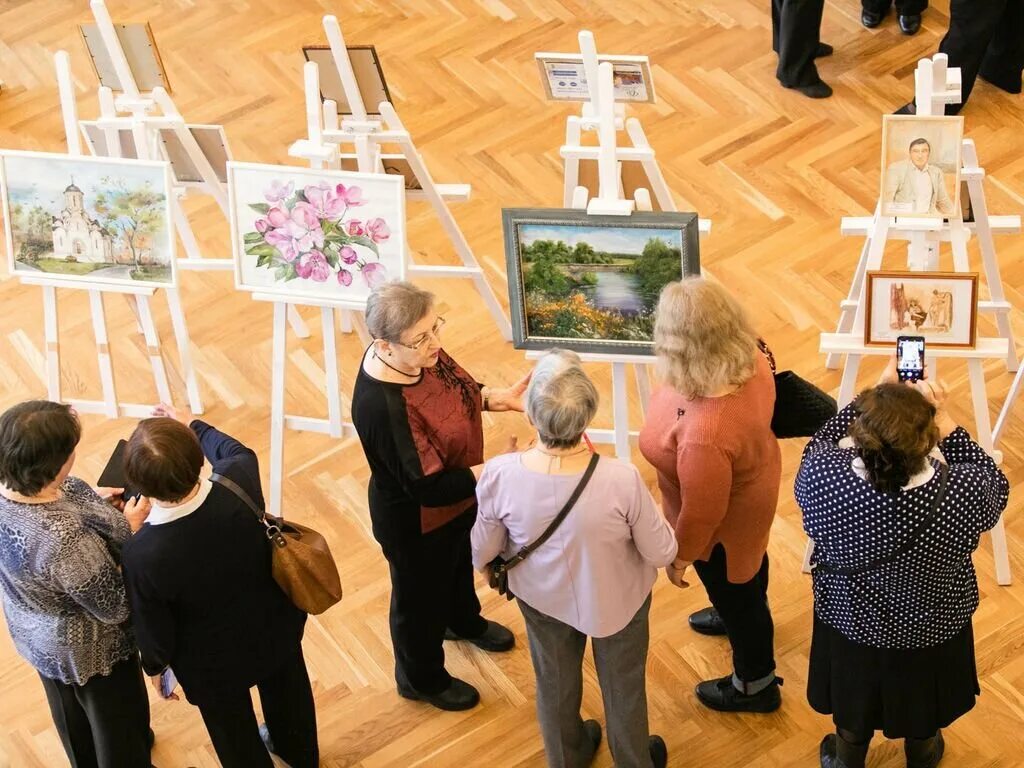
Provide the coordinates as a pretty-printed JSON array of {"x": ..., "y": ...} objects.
[{"x": 593, "y": 577}]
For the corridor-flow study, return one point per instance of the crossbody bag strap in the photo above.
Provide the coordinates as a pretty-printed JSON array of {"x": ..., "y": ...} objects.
[
  {"x": 911, "y": 540},
  {"x": 523, "y": 553},
  {"x": 273, "y": 529}
]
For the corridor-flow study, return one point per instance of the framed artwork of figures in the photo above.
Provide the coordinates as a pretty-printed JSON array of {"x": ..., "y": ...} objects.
[
  {"x": 324, "y": 235},
  {"x": 921, "y": 165},
  {"x": 941, "y": 306},
  {"x": 591, "y": 283},
  {"x": 88, "y": 219}
]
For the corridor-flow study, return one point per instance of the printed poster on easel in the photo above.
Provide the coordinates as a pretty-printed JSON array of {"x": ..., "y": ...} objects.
[
  {"x": 88, "y": 220},
  {"x": 564, "y": 77},
  {"x": 323, "y": 235}
]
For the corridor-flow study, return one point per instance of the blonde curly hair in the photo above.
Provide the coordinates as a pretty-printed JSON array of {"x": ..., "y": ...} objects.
[{"x": 702, "y": 338}]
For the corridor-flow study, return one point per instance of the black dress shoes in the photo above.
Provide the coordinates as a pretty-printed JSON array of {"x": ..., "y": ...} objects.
[
  {"x": 593, "y": 729},
  {"x": 823, "y": 50},
  {"x": 707, "y": 622},
  {"x": 721, "y": 695},
  {"x": 495, "y": 638},
  {"x": 834, "y": 753},
  {"x": 818, "y": 90},
  {"x": 909, "y": 25},
  {"x": 924, "y": 753},
  {"x": 659, "y": 752},
  {"x": 459, "y": 695},
  {"x": 870, "y": 19}
]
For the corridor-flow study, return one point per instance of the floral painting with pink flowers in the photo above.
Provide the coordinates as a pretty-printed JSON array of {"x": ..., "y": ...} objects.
[{"x": 331, "y": 235}]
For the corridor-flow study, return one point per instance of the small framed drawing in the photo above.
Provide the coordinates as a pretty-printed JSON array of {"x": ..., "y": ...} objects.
[
  {"x": 366, "y": 67},
  {"x": 140, "y": 50},
  {"x": 308, "y": 234},
  {"x": 591, "y": 283},
  {"x": 921, "y": 165},
  {"x": 564, "y": 79},
  {"x": 941, "y": 306},
  {"x": 396, "y": 165},
  {"x": 88, "y": 219},
  {"x": 210, "y": 139}
]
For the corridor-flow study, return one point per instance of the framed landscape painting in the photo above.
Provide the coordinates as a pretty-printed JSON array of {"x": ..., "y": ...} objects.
[
  {"x": 591, "y": 283},
  {"x": 310, "y": 234},
  {"x": 941, "y": 306},
  {"x": 88, "y": 219}
]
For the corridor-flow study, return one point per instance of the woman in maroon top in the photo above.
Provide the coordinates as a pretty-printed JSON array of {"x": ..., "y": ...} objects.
[
  {"x": 418, "y": 416},
  {"x": 708, "y": 434}
]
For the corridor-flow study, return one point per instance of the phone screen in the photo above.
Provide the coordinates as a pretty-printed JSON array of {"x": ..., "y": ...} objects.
[{"x": 910, "y": 358}]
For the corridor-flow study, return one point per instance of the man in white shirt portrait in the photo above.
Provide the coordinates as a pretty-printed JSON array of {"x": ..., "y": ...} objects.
[{"x": 913, "y": 186}]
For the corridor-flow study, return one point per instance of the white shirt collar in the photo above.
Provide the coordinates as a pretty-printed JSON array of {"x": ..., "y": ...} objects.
[
  {"x": 918, "y": 478},
  {"x": 159, "y": 515}
]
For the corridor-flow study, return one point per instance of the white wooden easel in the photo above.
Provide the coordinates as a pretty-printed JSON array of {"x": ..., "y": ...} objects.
[
  {"x": 366, "y": 135},
  {"x": 936, "y": 86},
  {"x": 138, "y": 298}
]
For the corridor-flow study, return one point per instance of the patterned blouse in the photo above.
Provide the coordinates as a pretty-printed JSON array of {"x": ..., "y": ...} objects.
[
  {"x": 926, "y": 595},
  {"x": 62, "y": 591}
]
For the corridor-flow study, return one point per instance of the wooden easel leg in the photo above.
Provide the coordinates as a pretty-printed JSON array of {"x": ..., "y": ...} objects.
[
  {"x": 99, "y": 327},
  {"x": 849, "y": 307},
  {"x": 808, "y": 551},
  {"x": 620, "y": 411},
  {"x": 1011, "y": 400},
  {"x": 298, "y": 325},
  {"x": 848, "y": 384},
  {"x": 643, "y": 387},
  {"x": 984, "y": 438},
  {"x": 659, "y": 186},
  {"x": 52, "y": 339},
  {"x": 331, "y": 372},
  {"x": 156, "y": 360},
  {"x": 359, "y": 325},
  {"x": 181, "y": 338},
  {"x": 280, "y": 358},
  {"x": 345, "y": 320},
  {"x": 571, "y": 163}
]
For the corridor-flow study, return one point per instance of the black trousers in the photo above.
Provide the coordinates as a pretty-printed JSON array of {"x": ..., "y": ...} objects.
[
  {"x": 104, "y": 723},
  {"x": 903, "y": 7},
  {"x": 288, "y": 709},
  {"x": 985, "y": 37},
  {"x": 796, "y": 32},
  {"x": 431, "y": 589},
  {"x": 745, "y": 613}
]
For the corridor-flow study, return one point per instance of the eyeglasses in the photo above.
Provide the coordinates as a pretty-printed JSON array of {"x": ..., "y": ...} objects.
[{"x": 423, "y": 338}]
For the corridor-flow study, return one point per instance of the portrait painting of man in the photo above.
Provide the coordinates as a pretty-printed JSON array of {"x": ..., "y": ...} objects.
[{"x": 921, "y": 165}]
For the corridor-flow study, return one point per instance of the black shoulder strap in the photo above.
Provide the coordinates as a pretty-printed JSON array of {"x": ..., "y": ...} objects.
[
  {"x": 906, "y": 546},
  {"x": 238, "y": 491},
  {"x": 523, "y": 553}
]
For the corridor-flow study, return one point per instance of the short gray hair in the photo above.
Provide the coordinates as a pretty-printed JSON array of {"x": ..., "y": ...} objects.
[
  {"x": 393, "y": 308},
  {"x": 560, "y": 400}
]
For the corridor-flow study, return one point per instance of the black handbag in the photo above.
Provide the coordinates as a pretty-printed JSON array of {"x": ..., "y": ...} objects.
[
  {"x": 500, "y": 566},
  {"x": 801, "y": 408},
  {"x": 902, "y": 548}
]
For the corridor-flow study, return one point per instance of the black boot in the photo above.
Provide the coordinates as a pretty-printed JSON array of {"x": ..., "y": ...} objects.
[
  {"x": 924, "y": 753},
  {"x": 837, "y": 752}
]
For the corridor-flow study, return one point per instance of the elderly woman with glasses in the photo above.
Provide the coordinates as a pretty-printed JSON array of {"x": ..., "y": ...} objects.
[
  {"x": 593, "y": 575},
  {"x": 418, "y": 416}
]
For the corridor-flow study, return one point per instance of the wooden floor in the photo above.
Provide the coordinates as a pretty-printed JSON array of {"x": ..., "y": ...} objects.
[{"x": 773, "y": 170}]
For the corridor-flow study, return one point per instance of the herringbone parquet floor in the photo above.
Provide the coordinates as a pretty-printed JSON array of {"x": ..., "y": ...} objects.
[{"x": 773, "y": 170}]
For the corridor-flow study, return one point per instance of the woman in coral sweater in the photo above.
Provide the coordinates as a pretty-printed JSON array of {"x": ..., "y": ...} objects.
[{"x": 708, "y": 435}]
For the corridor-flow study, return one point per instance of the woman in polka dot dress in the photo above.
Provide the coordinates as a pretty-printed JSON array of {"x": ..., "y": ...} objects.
[{"x": 894, "y": 527}]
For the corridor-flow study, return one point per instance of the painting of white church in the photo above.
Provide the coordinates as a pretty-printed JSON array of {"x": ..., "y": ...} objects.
[{"x": 88, "y": 219}]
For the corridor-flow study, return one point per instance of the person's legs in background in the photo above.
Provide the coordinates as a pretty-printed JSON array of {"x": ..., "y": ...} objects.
[
  {"x": 844, "y": 749},
  {"x": 556, "y": 650},
  {"x": 1004, "y": 59},
  {"x": 231, "y": 722},
  {"x": 288, "y": 708},
  {"x": 972, "y": 27},
  {"x": 796, "y": 33}
]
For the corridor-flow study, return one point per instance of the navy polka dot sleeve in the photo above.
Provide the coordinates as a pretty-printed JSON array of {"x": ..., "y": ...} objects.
[{"x": 926, "y": 595}]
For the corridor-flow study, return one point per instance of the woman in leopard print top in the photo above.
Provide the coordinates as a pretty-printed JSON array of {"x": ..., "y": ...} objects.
[{"x": 63, "y": 597}]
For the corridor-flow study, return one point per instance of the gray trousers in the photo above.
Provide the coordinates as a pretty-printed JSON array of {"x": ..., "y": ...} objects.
[{"x": 621, "y": 661}]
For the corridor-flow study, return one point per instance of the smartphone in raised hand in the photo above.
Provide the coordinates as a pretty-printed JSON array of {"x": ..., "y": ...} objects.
[{"x": 910, "y": 358}]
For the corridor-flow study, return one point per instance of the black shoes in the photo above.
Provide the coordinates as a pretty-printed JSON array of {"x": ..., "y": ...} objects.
[
  {"x": 593, "y": 729},
  {"x": 835, "y": 753},
  {"x": 823, "y": 50},
  {"x": 659, "y": 752},
  {"x": 707, "y": 622},
  {"x": 818, "y": 90},
  {"x": 910, "y": 108},
  {"x": 870, "y": 19},
  {"x": 265, "y": 738},
  {"x": 924, "y": 753},
  {"x": 909, "y": 25},
  {"x": 495, "y": 638},
  {"x": 721, "y": 695},
  {"x": 456, "y": 697}
]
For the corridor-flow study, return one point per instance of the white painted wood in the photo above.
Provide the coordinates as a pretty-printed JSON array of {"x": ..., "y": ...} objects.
[
  {"x": 156, "y": 361},
  {"x": 99, "y": 329},
  {"x": 50, "y": 333},
  {"x": 331, "y": 372},
  {"x": 184, "y": 344},
  {"x": 620, "y": 411},
  {"x": 277, "y": 415},
  {"x": 113, "y": 46}
]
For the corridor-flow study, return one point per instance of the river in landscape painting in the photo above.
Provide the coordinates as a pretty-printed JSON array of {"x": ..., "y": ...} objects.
[{"x": 618, "y": 292}]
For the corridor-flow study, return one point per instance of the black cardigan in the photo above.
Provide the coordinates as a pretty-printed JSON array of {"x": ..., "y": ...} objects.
[{"x": 202, "y": 595}]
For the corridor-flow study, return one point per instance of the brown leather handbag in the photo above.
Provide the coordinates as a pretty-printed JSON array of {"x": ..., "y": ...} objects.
[{"x": 301, "y": 561}]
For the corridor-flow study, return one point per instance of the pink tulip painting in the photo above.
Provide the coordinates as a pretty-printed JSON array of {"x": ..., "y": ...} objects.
[{"x": 308, "y": 231}]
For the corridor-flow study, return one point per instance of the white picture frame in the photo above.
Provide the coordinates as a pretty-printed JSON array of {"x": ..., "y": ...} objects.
[
  {"x": 94, "y": 236},
  {"x": 297, "y": 246},
  {"x": 563, "y": 78}
]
